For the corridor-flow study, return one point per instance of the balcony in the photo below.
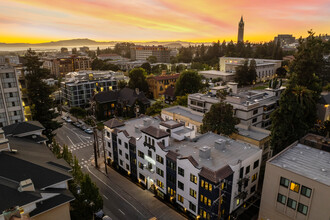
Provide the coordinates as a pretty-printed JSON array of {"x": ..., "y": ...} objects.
[{"x": 149, "y": 146}]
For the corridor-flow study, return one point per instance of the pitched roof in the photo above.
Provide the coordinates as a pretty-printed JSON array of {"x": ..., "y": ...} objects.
[
  {"x": 113, "y": 123},
  {"x": 155, "y": 132},
  {"x": 218, "y": 175},
  {"x": 18, "y": 169},
  {"x": 192, "y": 160},
  {"x": 172, "y": 155},
  {"x": 132, "y": 140},
  {"x": 22, "y": 127}
]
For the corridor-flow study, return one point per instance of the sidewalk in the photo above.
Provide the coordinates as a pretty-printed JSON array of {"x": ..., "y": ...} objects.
[{"x": 145, "y": 198}]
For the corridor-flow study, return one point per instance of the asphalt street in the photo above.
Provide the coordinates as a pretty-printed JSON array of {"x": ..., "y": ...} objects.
[{"x": 122, "y": 198}]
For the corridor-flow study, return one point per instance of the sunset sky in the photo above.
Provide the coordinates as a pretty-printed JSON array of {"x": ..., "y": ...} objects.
[{"x": 35, "y": 21}]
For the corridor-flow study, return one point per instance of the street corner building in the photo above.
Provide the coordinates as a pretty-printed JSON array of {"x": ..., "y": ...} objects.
[
  {"x": 207, "y": 176},
  {"x": 33, "y": 182}
]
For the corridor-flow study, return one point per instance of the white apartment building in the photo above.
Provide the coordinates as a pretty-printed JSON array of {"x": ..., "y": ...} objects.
[
  {"x": 11, "y": 109},
  {"x": 252, "y": 107},
  {"x": 207, "y": 177},
  {"x": 265, "y": 68}
]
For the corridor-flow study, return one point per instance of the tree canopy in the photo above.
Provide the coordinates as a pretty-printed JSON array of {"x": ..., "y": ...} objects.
[
  {"x": 152, "y": 59},
  {"x": 147, "y": 67},
  {"x": 220, "y": 119},
  {"x": 156, "y": 108},
  {"x": 188, "y": 82},
  {"x": 138, "y": 80},
  {"x": 246, "y": 74},
  {"x": 98, "y": 64}
]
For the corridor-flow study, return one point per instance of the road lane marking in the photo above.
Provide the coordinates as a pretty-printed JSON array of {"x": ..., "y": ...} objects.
[
  {"x": 71, "y": 141},
  {"x": 114, "y": 192},
  {"x": 121, "y": 212},
  {"x": 105, "y": 197}
]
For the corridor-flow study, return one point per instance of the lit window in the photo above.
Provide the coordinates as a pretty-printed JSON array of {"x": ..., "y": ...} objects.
[
  {"x": 209, "y": 202},
  {"x": 294, "y": 187},
  {"x": 306, "y": 191},
  {"x": 193, "y": 178},
  {"x": 202, "y": 183},
  {"x": 254, "y": 177},
  {"x": 193, "y": 193},
  {"x": 302, "y": 209},
  {"x": 210, "y": 187},
  {"x": 202, "y": 198},
  {"x": 237, "y": 202},
  {"x": 206, "y": 185},
  {"x": 180, "y": 198}
]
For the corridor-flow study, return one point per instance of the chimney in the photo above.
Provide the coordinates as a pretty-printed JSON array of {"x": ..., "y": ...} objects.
[
  {"x": 220, "y": 144},
  {"x": 205, "y": 152},
  {"x": 26, "y": 185},
  {"x": 137, "y": 91}
]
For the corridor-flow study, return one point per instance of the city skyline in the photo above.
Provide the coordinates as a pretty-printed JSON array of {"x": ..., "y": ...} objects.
[{"x": 38, "y": 21}]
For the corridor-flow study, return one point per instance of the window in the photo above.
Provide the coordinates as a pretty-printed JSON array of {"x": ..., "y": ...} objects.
[
  {"x": 292, "y": 203},
  {"x": 202, "y": 183},
  {"x": 13, "y": 103},
  {"x": 7, "y": 75},
  {"x": 160, "y": 184},
  {"x": 192, "y": 206},
  {"x": 10, "y": 94},
  {"x": 153, "y": 142},
  {"x": 119, "y": 141},
  {"x": 284, "y": 182},
  {"x": 126, "y": 145},
  {"x": 9, "y": 85},
  {"x": 193, "y": 178},
  {"x": 120, "y": 152},
  {"x": 149, "y": 153},
  {"x": 108, "y": 134},
  {"x": 241, "y": 171},
  {"x": 192, "y": 193},
  {"x": 180, "y": 185},
  {"x": 247, "y": 169},
  {"x": 206, "y": 185},
  {"x": 142, "y": 177},
  {"x": 127, "y": 167},
  {"x": 253, "y": 189},
  {"x": 126, "y": 156},
  {"x": 256, "y": 164},
  {"x": 141, "y": 154},
  {"x": 294, "y": 187},
  {"x": 255, "y": 112},
  {"x": 159, "y": 172},
  {"x": 254, "y": 177},
  {"x": 141, "y": 165},
  {"x": 306, "y": 191},
  {"x": 302, "y": 209},
  {"x": 109, "y": 154},
  {"x": 149, "y": 166},
  {"x": 254, "y": 120},
  {"x": 159, "y": 159},
  {"x": 109, "y": 145},
  {"x": 181, "y": 171},
  {"x": 202, "y": 198},
  {"x": 237, "y": 202},
  {"x": 281, "y": 198},
  {"x": 121, "y": 162},
  {"x": 180, "y": 198},
  {"x": 210, "y": 187}
]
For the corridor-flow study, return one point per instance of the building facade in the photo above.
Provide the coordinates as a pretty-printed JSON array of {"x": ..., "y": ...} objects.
[
  {"x": 80, "y": 87},
  {"x": 252, "y": 107},
  {"x": 265, "y": 68},
  {"x": 284, "y": 39},
  {"x": 158, "y": 84},
  {"x": 200, "y": 175},
  {"x": 11, "y": 108},
  {"x": 296, "y": 185},
  {"x": 143, "y": 52},
  {"x": 240, "y": 36}
]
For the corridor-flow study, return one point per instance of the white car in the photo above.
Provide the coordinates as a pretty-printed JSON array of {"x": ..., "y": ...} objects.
[
  {"x": 88, "y": 131},
  {"x": 68, "y": 119}
]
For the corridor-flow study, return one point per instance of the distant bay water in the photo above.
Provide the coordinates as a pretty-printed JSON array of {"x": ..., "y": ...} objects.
[{"x": 51, "y": 48}]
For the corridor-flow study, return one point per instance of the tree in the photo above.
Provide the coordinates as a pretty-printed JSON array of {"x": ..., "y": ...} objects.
[
  {"x": 67, "y": 155},
  {"x": 122, "y": 84},
  {"x": 241, "y": 76},
  {"x": 281, "y": 72},
  {"x": 152, "y": 59},
  {"x": 138, "y": 80},
  {"x": 220, "y": 119},
  {"x": 98, "y": 64},
  {"x": 252, "y": 72},
  {"x": 188, "y": 82},
  {"x": 78, "y": 112},
  {"x": 181, "y": 100},
  {"x": 294, "y": 117},
  {"x": 91, "y": 193},
  {"x": 146, "y": 67},
  {"x": 156, "y": 108},
  {"x": 39, "y": 94}
]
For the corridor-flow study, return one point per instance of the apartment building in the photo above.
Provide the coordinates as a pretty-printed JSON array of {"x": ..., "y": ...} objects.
[
  {"x": 143, "y": 52},
  {"x": 265, "y": 68},
  {"x": 158, "y": 84},
  {"x": 80, "y": 87},
  {"x": 207, "y": 177},
  {"x": 252, "y": 107},
  {"x": 296, "y": 185},
  {"x": 11, "y": 109},
  {"x": 59, "y": 66}
]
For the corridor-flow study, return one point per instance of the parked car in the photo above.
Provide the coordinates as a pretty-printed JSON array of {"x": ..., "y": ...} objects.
[
  {"x": 83, "y": 127},
  {"x": 68, "y": 119},
  {"x": 88, "y": 131},
  {"x": 106, "y": 217},
  {"x": 63, "y": 117},
  {"x": 77, "y": 124}
]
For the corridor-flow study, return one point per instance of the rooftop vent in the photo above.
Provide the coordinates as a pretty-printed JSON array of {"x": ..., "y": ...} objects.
[
  {"x": 220, "y": 144},
  {"x": 26, "y": 185},
  {"x": 146, "y": 122},
  {"x": 205, "y": 152}
]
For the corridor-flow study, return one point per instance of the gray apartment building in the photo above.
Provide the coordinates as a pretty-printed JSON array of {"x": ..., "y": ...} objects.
[
  {"x": 79, "y": 87},
  {"x": 297, "y": 185},
  {"x": 143, "y": 52},
  {"x": 252, "y": 107},
  {"x": 11, "y": 108}
]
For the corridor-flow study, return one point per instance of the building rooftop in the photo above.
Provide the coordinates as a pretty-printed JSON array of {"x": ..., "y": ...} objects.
[
  {"x": 306, "y": 161},
  {"x": 184, "y": 111},
  {"x": 216, "y": 72},
  {"x": 252, "y": 132},
  {"x": 229, "y": 154}
]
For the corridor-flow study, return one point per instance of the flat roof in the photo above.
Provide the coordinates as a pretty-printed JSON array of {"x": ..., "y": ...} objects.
[
  {"x": 305, "y": 161},
  {"x": 232, "y": 153},
  {"x": 216, "y": 72},
  {"x": 256, "y": 135},
  {"x": 184, "y": 111}
]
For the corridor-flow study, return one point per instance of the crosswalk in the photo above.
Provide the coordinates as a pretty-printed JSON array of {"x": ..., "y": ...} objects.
[
  {"x": 84, "y": 163},
  {"x": 83, "y": 145}
]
